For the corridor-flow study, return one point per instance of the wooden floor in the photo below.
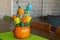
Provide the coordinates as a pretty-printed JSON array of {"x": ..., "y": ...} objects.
[{"x": 5, "y": 26}]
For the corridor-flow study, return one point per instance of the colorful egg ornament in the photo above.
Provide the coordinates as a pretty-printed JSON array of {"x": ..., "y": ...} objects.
[{"x": 29, "y": 7}]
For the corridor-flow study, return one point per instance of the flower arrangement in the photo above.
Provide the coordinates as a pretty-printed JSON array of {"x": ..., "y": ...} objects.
[{"x": 21, "y": 20}]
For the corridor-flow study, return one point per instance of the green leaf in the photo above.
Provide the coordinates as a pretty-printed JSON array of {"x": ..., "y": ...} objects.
[
  {"x": 26, "y": 11},
  {"x": 21, "y": 24},
  {"x": 27, "y": 23}
]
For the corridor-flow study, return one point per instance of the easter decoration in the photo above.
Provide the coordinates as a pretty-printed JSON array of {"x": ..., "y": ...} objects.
[{"x": 21, "y": 21}]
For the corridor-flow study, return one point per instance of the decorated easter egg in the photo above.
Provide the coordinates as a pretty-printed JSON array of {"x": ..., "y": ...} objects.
[
  {"x": 29, "y": 7},
  {"x": 20, "y": 11}
]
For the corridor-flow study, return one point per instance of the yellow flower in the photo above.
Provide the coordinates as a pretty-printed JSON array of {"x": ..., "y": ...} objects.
[
  {"x": 26, "y": 19},
  {"x": 17, "y": 20}
]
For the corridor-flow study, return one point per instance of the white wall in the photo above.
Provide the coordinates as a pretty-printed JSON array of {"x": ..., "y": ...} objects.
[
  {"x": 51, "y": 7},
  {"x": 36, "y": 11},
  {"x": 5, "y": 7}
]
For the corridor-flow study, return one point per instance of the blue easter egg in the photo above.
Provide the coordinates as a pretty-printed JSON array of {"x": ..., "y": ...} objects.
[{"x": 29, "y": 7}]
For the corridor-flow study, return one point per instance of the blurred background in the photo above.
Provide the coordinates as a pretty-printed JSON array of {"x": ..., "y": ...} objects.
[
  {"x": 5, "y": 13},
  {"x": 51, "y": 7},
  {"x": 5, "y": 8}
]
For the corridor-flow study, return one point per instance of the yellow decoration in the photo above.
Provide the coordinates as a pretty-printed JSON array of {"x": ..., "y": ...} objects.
[
  {"x": 26, "y": 19},
  {"x": 17, "y": 20}
]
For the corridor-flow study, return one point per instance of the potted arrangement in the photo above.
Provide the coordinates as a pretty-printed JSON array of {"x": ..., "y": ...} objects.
[{"x": 21, "y": 21}]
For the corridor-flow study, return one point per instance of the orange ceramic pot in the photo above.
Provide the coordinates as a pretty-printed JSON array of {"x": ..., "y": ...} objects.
[{"x": 21, "y": 32}]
